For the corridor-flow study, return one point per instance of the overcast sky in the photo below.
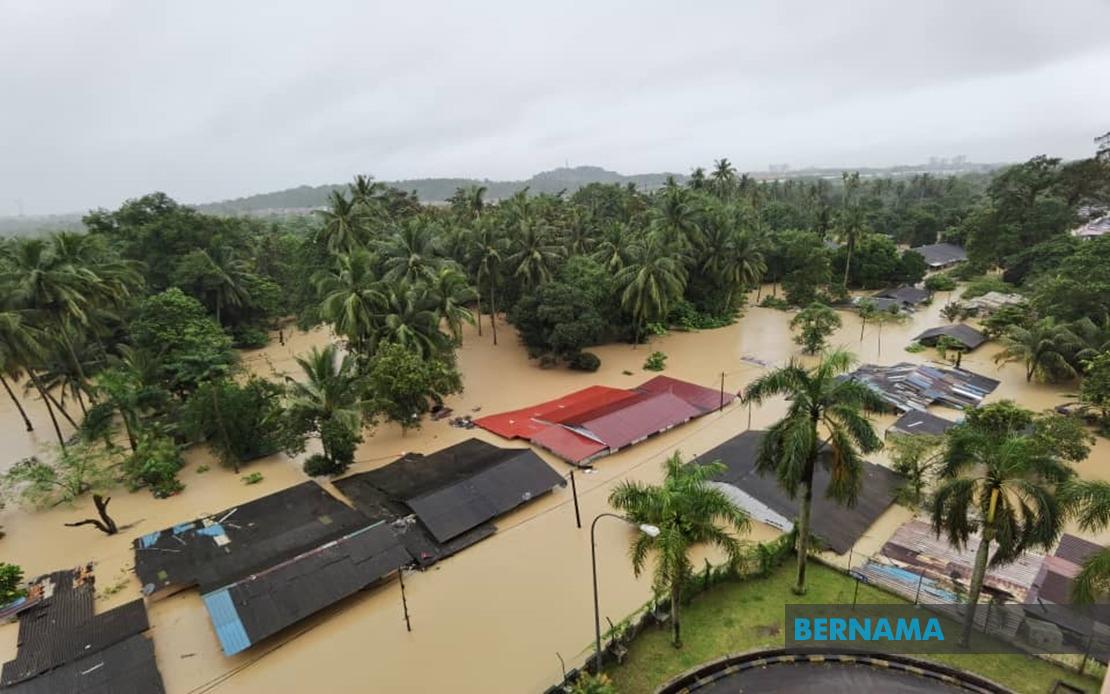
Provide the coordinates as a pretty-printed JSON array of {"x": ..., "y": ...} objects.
[{"x": 101, "y": 101}]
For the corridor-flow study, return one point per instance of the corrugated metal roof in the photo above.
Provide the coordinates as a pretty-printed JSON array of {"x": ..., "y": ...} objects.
[
  {"x": 640, "y": 420},
  {"x": 567, "y": 444},
  {"x": 917, "y": 422},
  {"x": 940, "y": 254},
  {"x": 1075, "y": 549},
  {"x": 705, "y": 399},
  {"x": 527, "y": 421},
  {"x": 225, "y": 620}
]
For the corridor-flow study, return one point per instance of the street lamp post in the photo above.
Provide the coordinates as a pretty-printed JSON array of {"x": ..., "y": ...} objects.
[{"x": 649, "y": 530}]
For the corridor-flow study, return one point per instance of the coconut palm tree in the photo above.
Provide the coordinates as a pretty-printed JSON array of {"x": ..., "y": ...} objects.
[
  {"x": 45, "y": 277},
  {"x": 410, "y": 253},
  {"x": 534, "y": 254},
  {"x": 1089, "y": 501},
  {"x": 688, "y": 512},
  {"x": 19, "y": 343},
  {"x": 409, "y": 319},
  {"x": 674, "y": 219},
  {"x": 611, "y": 251},
  {"x": 1045, "y": 348},
  {"x": 652, "y": 281},
  {"x": 353, "y": 297},
  {"x": 487, "y": 249},
  {"x": 332, "y": 390},
  {"x": 821, "y": 405},
  {"x": 343, "y": 227},
  {"x": 723, "y": 178},
  {"x": 999, "y": 479},
  {"x": 469, "y": 202},
  {"x": 451, "y": 292},
  {"x": 851, "y": 227}
]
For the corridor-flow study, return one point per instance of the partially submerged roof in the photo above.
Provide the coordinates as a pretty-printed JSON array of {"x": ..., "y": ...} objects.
[
  {"x": 126, "y": 667},
  {"x": 907, "y": 296},
  {"x": 966, "y": 335},
  {"x": 220, "y": 548},
  {"x": 455, "y": 490},
  {"x": 941, "y": 254},
  {"x": 263, "y": 604},
  {"x": 917, "y": 386},
  {"x": 63, "y": 629},
  {"x": 597, "y": 421},
  {"x": 523, "y": 423},
  {"x": 992, "y": 301},
  {"x": 762, "y": 496},
  {"x": 921, "y": 423}
]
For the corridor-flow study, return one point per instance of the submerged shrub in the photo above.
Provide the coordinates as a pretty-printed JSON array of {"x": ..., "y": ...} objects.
[
  {"x": 656, "y": 361},
  {"x": 584, "y": 361}
]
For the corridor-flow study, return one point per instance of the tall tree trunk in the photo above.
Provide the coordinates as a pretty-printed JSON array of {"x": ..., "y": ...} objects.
[
  {"x": 980, "y": 569},
  {"x": 862, "y": 325},
  {"x": 880, "y": 339},
  {"x": 493, "y": 308},
  {"x": 49, "y": 408},
  {"x": 847, "y": 264},
  {"x": 478, "y": 292},
  {"x": 61, "y": 408},
  {"x": 676, "y": 633},
  {"x": 18, "y": 404},
  {"x": 129, "y": 430},
  {"x": 105, "y": 525},
  {"x": 81, "y": 379},
  {"x": 223, "y": 429},
  {"x": 802, "y": 542}
]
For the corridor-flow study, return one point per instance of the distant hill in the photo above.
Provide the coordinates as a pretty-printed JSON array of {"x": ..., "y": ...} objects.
[{"x": 439, "y": 189}]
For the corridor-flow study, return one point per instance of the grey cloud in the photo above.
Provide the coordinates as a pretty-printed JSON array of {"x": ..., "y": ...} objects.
[{"x": 104, "y": 100}]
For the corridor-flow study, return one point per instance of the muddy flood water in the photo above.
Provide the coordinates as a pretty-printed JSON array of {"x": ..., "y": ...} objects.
[{"x": 497, "y": 616}]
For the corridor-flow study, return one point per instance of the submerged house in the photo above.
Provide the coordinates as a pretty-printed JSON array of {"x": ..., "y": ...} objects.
[
  {"x": 839, "y": 527},
  {"x": 909, "y": 386},
  {"x": 266, "y": 564},
  {"x": 920, "y": 423},
  {"x": 443, "y": 502},
  {"x": 906, "y": 298},
  {"x": 597, "y": 421},
  {"x": 941, "y": 255},
  {"x": 64, "y": 646},
  {"x": 966, "y": 335}
]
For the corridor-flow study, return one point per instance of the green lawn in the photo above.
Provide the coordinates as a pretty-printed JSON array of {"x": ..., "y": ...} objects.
[{"x": 741, "y": 616}]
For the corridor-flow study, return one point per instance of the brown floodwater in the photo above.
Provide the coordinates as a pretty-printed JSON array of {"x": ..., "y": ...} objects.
[{"x": 496, "y": 617}]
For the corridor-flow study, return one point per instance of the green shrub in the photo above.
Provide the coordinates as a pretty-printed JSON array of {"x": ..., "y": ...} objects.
[
  {"x": 940, "y": 283},
  {"x": 593, "y": 684},
  {"x": 318, "y": 464},
  {"x": 915, "y": 347},
  {"x": 253, "y": 478},
  {"x": 656, "y": 361},
  {"x": 249, "y": 337},
  {"x": 775, "y": 302},
  {"x": 987, "y": 283},
  {"x": 11, "y": 583},
  {"x": 584, "y": 361},
  {"x": 154, "y": 464}
]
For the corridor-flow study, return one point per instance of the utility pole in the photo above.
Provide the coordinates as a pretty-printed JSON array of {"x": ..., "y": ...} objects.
[
  {"x": 574, "y": 492},
  {"x": 404, "y": 602}
]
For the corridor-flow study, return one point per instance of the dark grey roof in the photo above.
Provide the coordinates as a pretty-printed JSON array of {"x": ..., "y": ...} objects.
[
  {"x": 127, "y": 667},
  {"x": 269, "y": 601},
  {"x": 454, "y": 490},
  {"x": 938, "y": 254},
  {"x": 918, "y": 422},
  {"x": 909, "y": 296},
  {"x": 221, "y": 548},
  {"x": 840, "y": 527},
  {"x": 965, "y": 334},
  {"x": 881, "y": 304},
  {"x": 62, "y": 630}
]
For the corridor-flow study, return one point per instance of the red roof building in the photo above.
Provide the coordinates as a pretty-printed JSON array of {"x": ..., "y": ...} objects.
[{"x": 598, "y": 420}]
